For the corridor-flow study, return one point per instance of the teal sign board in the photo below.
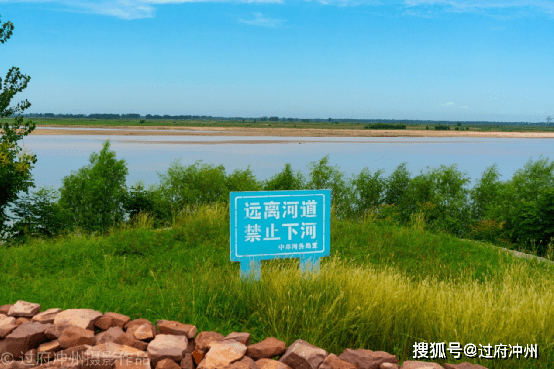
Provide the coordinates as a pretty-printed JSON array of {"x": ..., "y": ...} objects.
[{"x": 279, "y": 224}]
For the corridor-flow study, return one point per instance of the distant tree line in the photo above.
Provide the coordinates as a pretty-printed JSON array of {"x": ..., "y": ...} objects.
[
  {"x": 277, "y": 119},
  {"x": 385, "y": 126}
]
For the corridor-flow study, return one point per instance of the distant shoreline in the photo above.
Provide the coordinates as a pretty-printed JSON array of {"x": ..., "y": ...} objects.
[{"x": 272, "y": 132}]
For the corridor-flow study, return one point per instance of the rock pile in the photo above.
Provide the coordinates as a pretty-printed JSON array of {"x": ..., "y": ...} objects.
[{"x": 85, "y": 338}]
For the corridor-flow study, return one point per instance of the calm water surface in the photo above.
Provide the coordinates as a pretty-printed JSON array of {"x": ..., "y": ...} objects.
[{"x": 58, "y": 155}]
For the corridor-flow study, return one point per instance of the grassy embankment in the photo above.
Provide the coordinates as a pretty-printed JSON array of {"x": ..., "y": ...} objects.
[
  {"x": 383, "y": 288},
  {"x": 261, "y": 124}
]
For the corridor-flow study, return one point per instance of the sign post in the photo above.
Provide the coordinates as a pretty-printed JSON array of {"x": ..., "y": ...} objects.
[{"x": 269, "y": 225}]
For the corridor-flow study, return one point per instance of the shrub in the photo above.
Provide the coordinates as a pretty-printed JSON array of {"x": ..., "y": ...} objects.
[
  {"x": 370, "y": 190},
  {"x": 286, "y": 180},
  {"x": 94, "y": 195}
]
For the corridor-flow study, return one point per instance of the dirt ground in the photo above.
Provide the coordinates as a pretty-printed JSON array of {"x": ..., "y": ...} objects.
[{"x": 277, "y": 132}]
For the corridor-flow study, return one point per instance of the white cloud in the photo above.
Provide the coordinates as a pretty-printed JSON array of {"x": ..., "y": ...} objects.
[
  {"x": 448, "y": 104},
  {"x": 260, "y": 20},
  {"x": 126, "y": 9}
]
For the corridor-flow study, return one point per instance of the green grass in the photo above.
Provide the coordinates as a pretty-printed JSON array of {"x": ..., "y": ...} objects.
[{"x": 383, "y": 288}]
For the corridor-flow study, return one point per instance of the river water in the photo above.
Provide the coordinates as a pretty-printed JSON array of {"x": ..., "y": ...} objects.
[{"x": 59, "y": 155}]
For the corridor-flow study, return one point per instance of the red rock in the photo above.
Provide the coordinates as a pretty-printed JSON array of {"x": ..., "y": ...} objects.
[
  {"x": 302, "y": 355},
  {"x": 388, "y": 366},
  {"x": 187, "y": 362},
  {"x": 7, "y": 325},
  {"x": 107, "y": 354},
  {"x": 271, "y": 364},
  {"x": 24, "y": 338},
  {"x": 244, "y": 363},
  {"x": 51, "y": 346},
  {"x": 420, "y": 365},
  {"x": 145, "y": 364},
  {"x": 167, "y": 346},
  {"x": 222, "y": 354},
  {"x": 367, "y": 359},
  {"x": 55, "y": 331},
  {"x": 333, "y": 362},
  {"x": 75, "y": 336},
  {"x": 176, "y": 328},
  {"x": 191, "y": 346},
  {"x": 167, "y": 364},
  {"x": 198, "y": 355},
  {"x": 464, "y": 365},
  {"x": 109, "y": 335},
  {"x": 46, "y": 316},
  {"x": 204, "y": 339},
  {"x": 268, "y": 348},
  {"x": 20, "y": 321},
  {"x": 109, "y": 320},
  {"x": 242, "y": 337},
  {"x": 4, "y": 309},
  {"x": 129, "y": 340},
  {"x": 84, "y": 318},
  {"x": 132, "y": 323},
  {"x": 23, "y": 309},
  {"x": 142, "y": 332}
]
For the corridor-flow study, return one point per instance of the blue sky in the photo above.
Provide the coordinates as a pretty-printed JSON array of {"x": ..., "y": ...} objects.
[{"x": 398, "y": 59}]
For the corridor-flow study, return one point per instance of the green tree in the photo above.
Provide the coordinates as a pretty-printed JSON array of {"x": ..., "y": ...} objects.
[
  {"x": 15, "y": 163},
  {"x": 286, "y": 180},
  {"x": 95, "y": 194}
]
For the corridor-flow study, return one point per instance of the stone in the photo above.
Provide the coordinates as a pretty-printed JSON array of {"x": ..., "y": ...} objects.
[
  {"x": 55, "y": 331},
  {"x": 388, "y": 366},
  {"x": 4, "y": 309},
  {"x": 132, "y": 323},
  {"x": 203, "y": 340},
  {"x": 271, "y": 364},
  {"x": 167, "y": 364},
  {"x": 20, "y": 321},
  {"x": 142, "y": 332},
  {"x": 367, "y": 359},
  {"x": 187, "y": 363},
  {"x": 222, "y": 354},
  {"x": 75, "y": 352},
  {"x": 242, "y": 337},
  {"x": 176, "y": 328},
  {"x": 75, "y": 336},
  {"x": 333, "y": 362},
  {"x": 109, "y": 335},
  {"x": 7, "y": 325},
  {"x": 109, "y": 320},
  {"x": 23, "y": 309},
  {"x": 84, "y": 318},
  {"x": 464, "y": 365},
  {"x": 420, "y": 365},
  {"x": 302, "y": 355},
  {"x": 24, "y": 338},
  {"x": 144, "y": 364},
  {"x": 51, "y": 346},
  {"x": 191, "y": 346},
  {"x": 109, "y": 353},
  {"x": 244, "y": 363},
  {"x": 46, "y": 316},
  {"x": 129, "y": 340},
  {"x": 62, "y": 363},
  {"x": 198, "y": 356},
  {"x": 267, "y": 349},
  {"x": 167, "y": 346}
]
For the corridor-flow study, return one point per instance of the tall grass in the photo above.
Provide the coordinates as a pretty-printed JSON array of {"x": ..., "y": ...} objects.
[{"x": 384, "y": 287}]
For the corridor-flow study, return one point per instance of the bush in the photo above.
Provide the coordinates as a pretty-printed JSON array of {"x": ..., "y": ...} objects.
[
  {"x": 37, "y": 215},
  {"x": 441, "y": 127},
  {"x": 95, "y": 194},
  {"x": 286, "y": 180},
  {"x": 370, "y": 190},
  {"x": 385, "y": 126},
  {"x": 323, "y": 176}
]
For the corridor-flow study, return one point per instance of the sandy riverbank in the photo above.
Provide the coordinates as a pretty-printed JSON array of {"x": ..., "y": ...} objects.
[{"x": 274, "y": 132}]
